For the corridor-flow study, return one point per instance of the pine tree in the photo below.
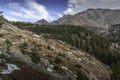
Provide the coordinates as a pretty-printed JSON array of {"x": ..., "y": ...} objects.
[
  {"x": 8, "y": 45},
  {"x": 1, "y": 18}
]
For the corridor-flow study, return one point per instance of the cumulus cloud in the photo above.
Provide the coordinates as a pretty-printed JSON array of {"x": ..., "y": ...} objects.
[
  {"x": 58, "y": 14},
  {"x": 75, "y": 6},
  {"x": 32, "y": 11},
  {"x": 19, "y": 14},
  {"x": 13, "y": 19}
]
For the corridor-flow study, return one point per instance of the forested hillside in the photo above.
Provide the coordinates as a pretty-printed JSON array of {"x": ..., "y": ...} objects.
[
  {"x": 82, "y": 39},
  {"x": 32, "y": 57}
]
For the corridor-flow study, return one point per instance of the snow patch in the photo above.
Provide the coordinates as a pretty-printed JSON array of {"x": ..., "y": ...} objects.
[
  {"x": 0, "y": 53},
  {"x": 79, "y": 59},
  {"x": 10, "y": 69},
  {"x": 37, "y": 36},
  {"x": 49, "y": 69},
  {"x": 65, "y": 68}
]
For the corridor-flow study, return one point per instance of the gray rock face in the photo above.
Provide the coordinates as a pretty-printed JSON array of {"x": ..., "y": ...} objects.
[
  {"x": 42, "y": 22},
  {"x": 100, "y": 18},
  {"x": 62, "y": 20}
]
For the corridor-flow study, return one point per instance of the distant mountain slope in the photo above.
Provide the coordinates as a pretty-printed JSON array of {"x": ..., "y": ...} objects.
[
  {"x": 114, "y": 33},
  {"x": 100, "y": 18},
  {"x": 42, "y": 22}
]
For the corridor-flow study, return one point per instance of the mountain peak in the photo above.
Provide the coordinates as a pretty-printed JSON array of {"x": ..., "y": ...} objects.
[
  {"x": 97, "y": 18},
  {"x": 42, "y": 22}
]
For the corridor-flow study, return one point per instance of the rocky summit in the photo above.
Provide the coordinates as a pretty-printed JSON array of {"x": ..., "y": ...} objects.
[{"x": 42, "y": 22}]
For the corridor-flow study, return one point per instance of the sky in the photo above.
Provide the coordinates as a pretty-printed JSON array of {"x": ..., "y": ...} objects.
[{"x": 33, "y": 10}]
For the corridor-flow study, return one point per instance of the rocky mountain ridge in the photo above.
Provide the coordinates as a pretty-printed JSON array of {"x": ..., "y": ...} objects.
[
  {"x": 100, "y": 20},
  {"x": 96, "y": 18}
]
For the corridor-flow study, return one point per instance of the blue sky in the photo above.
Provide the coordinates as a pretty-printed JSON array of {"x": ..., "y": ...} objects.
[{"x": 33, "y": 10}]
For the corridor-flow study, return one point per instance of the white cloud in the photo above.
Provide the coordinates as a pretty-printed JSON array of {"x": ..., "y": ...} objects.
[
  {"x": 0, "y": 8},
  {"x": 12, "y": 18},
  {"x": 75, "y": 6},
  {"x": 19, "y": 14},
  {"x": 40, "y": 9},
  {"x": 31, "y": 10},
  {"x": 57, "y": 14},
  {"x": 15, "y": 13}
]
